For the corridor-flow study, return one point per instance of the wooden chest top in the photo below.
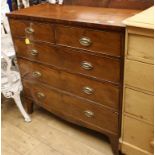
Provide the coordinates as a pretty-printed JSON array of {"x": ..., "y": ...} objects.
[{"x": 78, "y": 15}]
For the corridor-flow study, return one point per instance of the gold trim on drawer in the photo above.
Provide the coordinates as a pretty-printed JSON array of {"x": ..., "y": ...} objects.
[
  {"x": 36, "y": 74},
  {"x": 34, "y": 52},
  {"x": 29, "y": 30},
  {"x": 86, "y": 65},
  {"x": 84, "y": 41},
  {"x": 88, "y": 90},
  {"x": 88, "y": 113}
]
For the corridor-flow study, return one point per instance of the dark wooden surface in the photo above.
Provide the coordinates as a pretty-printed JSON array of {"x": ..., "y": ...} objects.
[
  {"x": 42, "y": 32},
  {"x": 72, "y": 106},
  {"x": 103, "y": 93},
  {"x": 77, "y": 15},
  {"x": 128, "y": 4},
  {"x": 71, "y": 60},
  {"x": 106, "y": 42}
]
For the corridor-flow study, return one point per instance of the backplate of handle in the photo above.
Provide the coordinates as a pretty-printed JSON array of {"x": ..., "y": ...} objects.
[
  {"x": 34, "y": 52},
  {"x": 84, "y": 41},
  {"x": 86, "y": 65},
  {"x": 29, "y": 30},
  {"x": 36, "y": 74},
  {"x": 40, "y": 95},
  {"x": 88, "y": 90},
  {"x": 88, "y": 113}
]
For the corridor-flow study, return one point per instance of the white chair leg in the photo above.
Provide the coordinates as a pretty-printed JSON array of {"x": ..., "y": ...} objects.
[{"x": 18, "y": 102}]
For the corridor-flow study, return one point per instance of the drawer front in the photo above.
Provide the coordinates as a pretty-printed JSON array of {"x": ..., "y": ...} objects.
[
  {"x": 88, "y": 113},
  {"x": 105, "y": 42},
  {"x": 140, "y": 47},
  {"x": 32, "y": 30},
  {"x": 103, "y": 93},
  {"x": 40, "y": 52},
  {"x": 139, "y": 75},
  {"x": 72, "y": 60},
  {"x": 138, "y": 134},
  {"x": 130, "y": 149},
  {"x": 139, "y": 104}
]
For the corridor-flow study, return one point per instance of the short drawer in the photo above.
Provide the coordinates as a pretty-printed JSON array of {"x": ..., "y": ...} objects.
[
  {"x": 82, "y": 111},
  {"x": 32, "y": 30},
  {"x": 103, "y": 93},
  {"x": 139, "y": 104},
  {"x": 138, "y": 134},
  {"x": 76, "y": 61},
  {"x": 139, "y": 75},
  {"x": 140, "y": 47},
  {"x": 105, "y": 42}
]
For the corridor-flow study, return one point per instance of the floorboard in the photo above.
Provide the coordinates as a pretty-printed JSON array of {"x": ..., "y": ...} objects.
[{"x": 47, "y": 135}]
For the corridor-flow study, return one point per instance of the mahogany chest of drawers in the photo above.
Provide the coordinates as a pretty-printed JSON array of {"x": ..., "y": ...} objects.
[{"x": 71, "y": 63}]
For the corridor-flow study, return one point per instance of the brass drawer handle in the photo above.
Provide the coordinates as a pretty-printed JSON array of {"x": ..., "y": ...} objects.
[
  {"x": 88, "y": 113},
  {"x": 36, "y": 74},
  {"x": 40, "y": 95},
  {"x": 86, "y": 65},
  {"x": 88, "y": 90},
  {"x": 85, "y": 41},
  {"x": 34, "y": 52},
  {"x": 29, "y": 30}
]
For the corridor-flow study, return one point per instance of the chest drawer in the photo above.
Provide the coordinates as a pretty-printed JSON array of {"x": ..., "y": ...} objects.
[
  {"x": 103, "y": 93},
  {"x": 87, "y": 113},
  {"x": 138, "y": 74},
  {"x": 76, "y": 61},
  {"x": 138, "y": 133},
  {"x": 32, "y": 30},
  {"x": 106, "y": 42},
  {"x": 139, "y": 104},
  {"x": 140, "y": 47}
]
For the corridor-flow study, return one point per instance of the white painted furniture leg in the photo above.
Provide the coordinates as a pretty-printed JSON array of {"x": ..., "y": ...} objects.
[
  {"x": 18, "y": 102},
  {"x": 11, "y": 86}
]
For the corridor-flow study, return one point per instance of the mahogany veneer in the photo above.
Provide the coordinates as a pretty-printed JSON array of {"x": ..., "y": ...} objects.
[
  {"x": 128, "y": 4},
  {"x": 71, "y": 63}
]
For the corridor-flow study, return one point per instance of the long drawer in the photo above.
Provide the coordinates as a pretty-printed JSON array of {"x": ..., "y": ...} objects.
[
  {"x": 138, "y": 134},
  {"x": 106, "y": 42},
  {"x": 139, "y": 104},
  {"x": 32, "y": 30},
  {"x": 140, "y": 47},
  {"x": 139, "y": 75},
  {"x": 83, "y": 111},
  {"x": 103, "y": 93},
  {"x": 140, "y": 44},
  {"x": 73, "y": 60}
]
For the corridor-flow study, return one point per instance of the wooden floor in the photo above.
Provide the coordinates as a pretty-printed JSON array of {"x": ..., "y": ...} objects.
[{"x": 47, "y": 135}]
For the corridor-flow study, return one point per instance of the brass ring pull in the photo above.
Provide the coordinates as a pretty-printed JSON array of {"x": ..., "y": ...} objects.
[
  {"x": 34, "y": 52},
  {"x": 29, "y": 30},
  {"x": 36, "y": 74},
  {"x": 40, "y": 95},
  {"x": 86, "y": 65},
  {"x": 89, "y": 113},
  {"x": 85, "y": 41},
  {"x": 88, "y": 90}
]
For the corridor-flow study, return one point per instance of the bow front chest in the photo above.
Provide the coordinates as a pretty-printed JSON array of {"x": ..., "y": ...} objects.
[{"x": 71, "y": 62}]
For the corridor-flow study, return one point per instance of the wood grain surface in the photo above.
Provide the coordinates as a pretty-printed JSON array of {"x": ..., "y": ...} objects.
[
  {"x": 128, "y": 4},
  {"x": 77, "y": 15}
]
